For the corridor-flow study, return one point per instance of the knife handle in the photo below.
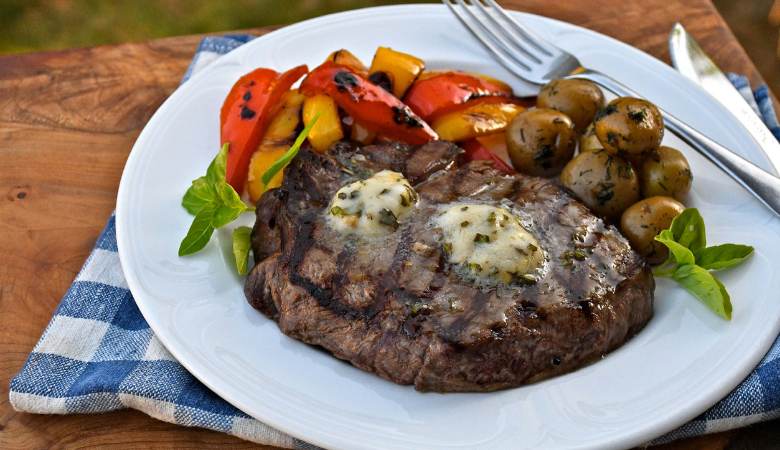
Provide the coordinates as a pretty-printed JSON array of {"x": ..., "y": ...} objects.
[{"x": 762, "y": 184}]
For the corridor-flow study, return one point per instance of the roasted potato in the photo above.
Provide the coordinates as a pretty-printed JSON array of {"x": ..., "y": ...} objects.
[
  {"x": 540, "y": 141},
  {"x": 578, "y": 99},
  {"x": 606, "y": 183},
  {"x": 644, "y": 220},
  {"x": 629, "y": 126},
  {"x": 589, "y": 142},
  {"x": 666, "y": 172}
]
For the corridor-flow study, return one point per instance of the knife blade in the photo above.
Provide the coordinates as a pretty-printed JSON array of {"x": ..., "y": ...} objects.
[{"x": 691, "y": 61}]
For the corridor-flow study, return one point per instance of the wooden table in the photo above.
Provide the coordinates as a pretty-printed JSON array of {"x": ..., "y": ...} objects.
[{"x": 68, "y": 120}]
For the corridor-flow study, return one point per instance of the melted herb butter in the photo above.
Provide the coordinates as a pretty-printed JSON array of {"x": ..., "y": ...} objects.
[
  {"x": 489, "y": 243},
  {"x": 372, "y": 207}
]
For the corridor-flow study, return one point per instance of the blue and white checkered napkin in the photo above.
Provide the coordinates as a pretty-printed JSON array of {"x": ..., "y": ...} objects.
[{"x": 99, "y": 354}]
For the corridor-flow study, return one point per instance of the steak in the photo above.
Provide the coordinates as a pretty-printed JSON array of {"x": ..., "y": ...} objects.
[{"x": 395, "y": 306}]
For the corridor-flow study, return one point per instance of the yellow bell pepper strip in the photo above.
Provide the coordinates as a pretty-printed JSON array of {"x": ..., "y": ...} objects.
[
  {"x": 260, "y": 162},
  {"x": 475, "y": 120},
  {"x": 328, "y": 129},
  {"x": 394, "y": 71},
  {"x": 348, "y": 59},
  {"x": 367, "y": 103}
]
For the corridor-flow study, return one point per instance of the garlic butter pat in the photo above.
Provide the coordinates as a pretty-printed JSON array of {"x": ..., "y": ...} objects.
[
  {"x": 372, "y": 207},
  {"x": 489, "y": 242}
]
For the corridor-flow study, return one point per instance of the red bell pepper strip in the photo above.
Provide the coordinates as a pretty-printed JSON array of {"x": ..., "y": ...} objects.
[
  {"x": 448, "y": 91},
  {"x": 477, "y": 152},
  {"x": 245, "y": 115},
  {"x": 367, "y": 103}
]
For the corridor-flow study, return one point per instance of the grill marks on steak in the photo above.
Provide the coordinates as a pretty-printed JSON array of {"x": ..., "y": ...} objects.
[{"x": 384, "y": 303}]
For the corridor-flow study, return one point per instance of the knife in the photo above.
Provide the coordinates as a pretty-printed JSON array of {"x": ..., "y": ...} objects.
[{"x": 691, "y": 61}]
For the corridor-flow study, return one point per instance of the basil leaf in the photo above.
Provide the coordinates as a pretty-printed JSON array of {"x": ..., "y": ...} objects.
[
  {"x": 228, "y": 196},
  {"x": 229, "y": 206},
  {"x": 688, "y": 229},
  {"x": 720, "y": 256},
  {"x": 705, "y": 287},
  {"x": 192, "y": 202},
  {"x": 727, "y": 308},
  {"x": 218, "y": 167},
  {"x": 282, "y": 162},
  {"x": 202, "y": 191},
  {"x": 681, "y": 254},
  {"x": 686, "y": 240},
  {"x": 223, "y": 215},
  {"x": 242, "y": 243},
  {"x": 198, "y": 195},
  {"x": 199, "y": 233}
]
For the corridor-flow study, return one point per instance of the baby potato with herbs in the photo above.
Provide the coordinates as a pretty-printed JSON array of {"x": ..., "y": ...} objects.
[
  {"x": 540, "y": 141},
  {"x": 629, "y": 126},
  {"x": 606, "y": 183},
  {"x": 644, "y": 220},
  {"x": 666, "y": 172},
  {"x": 578, "y": 99},
  {"x": 589, "y": 142}
]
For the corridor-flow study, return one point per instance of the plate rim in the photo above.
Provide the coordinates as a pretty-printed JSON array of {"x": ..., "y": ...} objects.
[{"x": 661, "y": 426}]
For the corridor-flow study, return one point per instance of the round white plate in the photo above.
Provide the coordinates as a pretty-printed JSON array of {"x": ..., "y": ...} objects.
[{"x": 684, "y": 361}]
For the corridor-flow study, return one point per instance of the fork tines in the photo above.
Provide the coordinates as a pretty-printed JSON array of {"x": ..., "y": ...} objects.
[{"x": 515, "y": 46}]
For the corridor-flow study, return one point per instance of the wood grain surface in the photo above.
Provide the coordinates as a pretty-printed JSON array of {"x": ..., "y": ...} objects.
[{"x": 68, "y": 120}]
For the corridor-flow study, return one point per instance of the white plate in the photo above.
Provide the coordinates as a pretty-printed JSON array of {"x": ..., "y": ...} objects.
[{"x": 682, "y": 363}]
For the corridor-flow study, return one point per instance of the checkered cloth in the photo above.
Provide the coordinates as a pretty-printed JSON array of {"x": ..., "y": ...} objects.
[
  {"x": 99, "y": 354},
  {"x": 759, "y": 100}
]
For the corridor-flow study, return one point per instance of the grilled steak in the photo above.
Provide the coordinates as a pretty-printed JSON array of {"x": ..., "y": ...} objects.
[{"x": 395, "y": 307}]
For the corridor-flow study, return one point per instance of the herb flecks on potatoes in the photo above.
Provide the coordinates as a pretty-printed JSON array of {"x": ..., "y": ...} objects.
[
  {"x": 589, "y": 142},
  {"x": 578, "y": 99},
  {"x": 606, "y": 183},
  {"x": 644, "y": 220},
  {"x": 666, "y": 172},
  {"x": 540, "y": 141},
  {"x": 629, "y": 126}
]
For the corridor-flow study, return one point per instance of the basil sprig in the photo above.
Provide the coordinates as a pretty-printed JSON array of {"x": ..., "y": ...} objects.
[
  {"x": 215, "y": 203},
  {"x": 690, "y": 260}
]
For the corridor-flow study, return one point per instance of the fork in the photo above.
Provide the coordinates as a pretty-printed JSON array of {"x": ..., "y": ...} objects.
[{"x": 537, "y": 61}]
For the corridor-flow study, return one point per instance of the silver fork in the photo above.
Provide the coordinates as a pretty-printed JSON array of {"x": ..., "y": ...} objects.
[{"x": 537, "y": 61}]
